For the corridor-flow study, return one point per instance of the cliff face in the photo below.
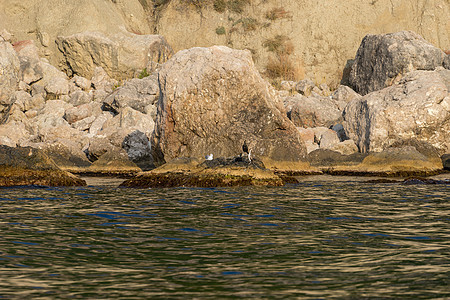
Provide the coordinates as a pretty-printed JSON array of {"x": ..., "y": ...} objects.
[
  {"x": 45, "y": 20},
  {"x": 301, "y": 38},
  {"x": 293, "y": 39}
]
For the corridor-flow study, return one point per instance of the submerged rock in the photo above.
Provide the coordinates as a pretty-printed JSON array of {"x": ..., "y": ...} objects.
[{"x": 29, "y": 166}]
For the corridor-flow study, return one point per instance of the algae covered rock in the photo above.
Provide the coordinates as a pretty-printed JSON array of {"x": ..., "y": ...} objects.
[
  {"x": 29, "y": 166},
  {"x": 218, "y": 172},
  {"x": 212, "y": 100}
]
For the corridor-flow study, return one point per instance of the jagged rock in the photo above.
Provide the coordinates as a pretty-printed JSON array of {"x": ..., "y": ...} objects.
[
  {"x": 28, "y": 166},
  {"x": 314, "y": 111},
  {"x": 9, "y": 79},
  {"x": 135, "y": 93},
  {"x": 77, "y": 113},
  {"x": 54, "y": 81},
  {"x": 139, "y": 149},
  {"x": 212, "y": 99},
  {"x": 418, "y": 107},
  {"x": 305, "y": 87},
  {"x": 80, "y": 97},
  {"x": 81, "y": 82},
  {"x": 13, "y": 133},
  {"x": 343, "y": 95},
  {"x": 384, "y": 59},
  {"x": 98, "y": 123},
  {"x": 122, "y": 55},
  {"x": 30, "y": 65}
]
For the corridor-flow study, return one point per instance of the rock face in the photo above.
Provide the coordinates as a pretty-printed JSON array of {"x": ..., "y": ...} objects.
[
  {"x": 28, "y": 166},
  {"x": 212, "y": 100},
  {"x": 9, "y": 74},
  {"x": 418, "y": 107},
  {"x": 44, "y": 21},
  {"x": 324, "y": 36},
  {"x": 384, "y": 59},
  {"x": 122, "y": 55}
]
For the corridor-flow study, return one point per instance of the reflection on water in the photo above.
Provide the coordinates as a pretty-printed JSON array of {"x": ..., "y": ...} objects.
[{"x": 318, "y": 239}]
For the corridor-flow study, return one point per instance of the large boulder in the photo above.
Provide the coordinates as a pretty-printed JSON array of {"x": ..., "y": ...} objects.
[
  {"x": 122, "y": 55},
  {"x": 418, "y": 107},
  {"x": 212, "y": 100},
  {"x": 383, "y": 59}
]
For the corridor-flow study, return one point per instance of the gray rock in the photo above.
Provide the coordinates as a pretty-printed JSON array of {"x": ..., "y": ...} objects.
[
  {"x": 418, "y": 107},
  {"x": 305, "y": 87},
  {"x": 138, "y": 148},
  {"x": 135, "y": 93},
  {"x": 384, "y": 59}
]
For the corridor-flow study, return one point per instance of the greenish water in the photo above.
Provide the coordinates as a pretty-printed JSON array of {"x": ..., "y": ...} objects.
[{"x": 323, "y": 238}]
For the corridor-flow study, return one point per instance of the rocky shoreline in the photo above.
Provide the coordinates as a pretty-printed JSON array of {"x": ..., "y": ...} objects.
[{"x": 154, "y": 121}]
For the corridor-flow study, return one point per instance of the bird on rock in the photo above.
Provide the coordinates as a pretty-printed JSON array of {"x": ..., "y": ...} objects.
[{"x": 245, "y": 147}]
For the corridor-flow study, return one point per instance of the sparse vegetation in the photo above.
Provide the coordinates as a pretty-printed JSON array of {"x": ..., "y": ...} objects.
[
  {"x": 280, "y": 65},
  {"x": 237, "y": 6},
  {"x": 220, "y": 6},
  {"x": 248, "y": 24},
  {"x": 220, "y": 30},
  {"x": 144, "y": 73},
  {"x": 277, "y": 13}
]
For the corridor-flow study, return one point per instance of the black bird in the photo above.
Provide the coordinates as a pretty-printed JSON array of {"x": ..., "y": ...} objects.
[{"x": 245, "y": 147}]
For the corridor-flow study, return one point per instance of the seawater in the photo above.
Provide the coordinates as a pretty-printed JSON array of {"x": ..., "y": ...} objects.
[{"x": 319, "y": 239}]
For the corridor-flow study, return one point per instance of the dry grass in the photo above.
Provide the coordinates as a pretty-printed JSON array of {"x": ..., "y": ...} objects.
[{"x": 278, "y": 13}]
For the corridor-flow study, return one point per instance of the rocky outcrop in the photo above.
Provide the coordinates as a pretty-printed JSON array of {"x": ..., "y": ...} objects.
[
  {"x": 383, "y": 60},
  {"x": 29, "y": 166},
  {"x": 417, "y": 107},
  {"x": 122, "y": 55},
  {"x": 212, "y": 100}
]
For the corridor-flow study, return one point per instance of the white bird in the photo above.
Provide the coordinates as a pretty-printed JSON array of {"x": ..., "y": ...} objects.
[
  {"x": 209, "y": 157},
  {"x": 250, "y": 155}
]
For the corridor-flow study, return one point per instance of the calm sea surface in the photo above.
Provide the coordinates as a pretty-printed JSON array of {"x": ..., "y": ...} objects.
[{"x": 322, "y": 238}]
